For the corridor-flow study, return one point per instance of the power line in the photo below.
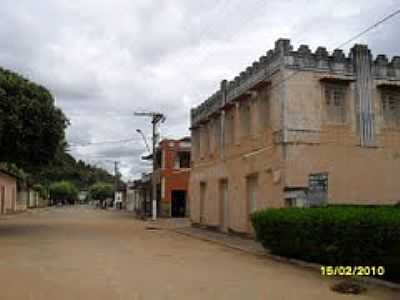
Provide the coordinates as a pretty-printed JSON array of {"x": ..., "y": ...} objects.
[
  {"x": 103, "y": 143},
  {"x": 383, "y": 20}
]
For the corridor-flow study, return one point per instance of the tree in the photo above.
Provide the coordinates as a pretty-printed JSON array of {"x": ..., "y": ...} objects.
[
  {"x": 101, "y": 191},
  {"x": 32, "y": 128},
  {"x": 65, "y": 167},
  {"x": 64, "y": 192},
  {"x": 32, "y": 136}
]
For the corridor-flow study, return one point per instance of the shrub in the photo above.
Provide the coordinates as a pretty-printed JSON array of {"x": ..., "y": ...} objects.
[
  {"x": 101, "y": 191},
  {"x": 63, "y": 191},
  {"x": 334, "y": 236}
]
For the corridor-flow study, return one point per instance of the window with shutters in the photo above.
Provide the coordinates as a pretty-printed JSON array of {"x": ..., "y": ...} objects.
[
  {"x": 264, "y": 110},
  {"x": 245, "y": 115},
  {"x": 204, "y": 141},
  {"x": 229, "y": 128},
  {"x": 215, "y": 134},
  {"x": 335, "y": 103},
  {"x": 391, "y": 109}
]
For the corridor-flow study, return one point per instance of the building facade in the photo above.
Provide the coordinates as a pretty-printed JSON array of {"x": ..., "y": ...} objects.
[
  {"x": 172, "y": 177},
  {"x": 138, "y": 194},
  {"x": 297, "y": 128},
  {"x": 8, "y": 193}
]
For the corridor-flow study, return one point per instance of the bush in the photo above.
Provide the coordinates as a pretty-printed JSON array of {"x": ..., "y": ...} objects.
[
  {"x": 334, "y": 236},
  {"x": 101, "y": 191},
  {"x": 63, "y": 191}
]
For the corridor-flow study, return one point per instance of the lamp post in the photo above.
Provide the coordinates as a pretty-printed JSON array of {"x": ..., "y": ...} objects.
[{"x": 144, "y": 139}]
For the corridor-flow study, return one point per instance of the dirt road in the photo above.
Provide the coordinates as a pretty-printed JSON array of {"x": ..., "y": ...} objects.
[{"x": 83, "y": 253}]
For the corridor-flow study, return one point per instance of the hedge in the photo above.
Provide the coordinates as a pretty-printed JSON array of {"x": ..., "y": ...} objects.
[{"x": 334, "y": 236}]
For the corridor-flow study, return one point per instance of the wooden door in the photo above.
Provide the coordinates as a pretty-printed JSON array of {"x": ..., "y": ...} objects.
[
  {"x": 2, "y": 199},
  {"x": 224, "y": 205},
  {"x": 203, "y": 189},
  {"x": 252, "y": 190}
]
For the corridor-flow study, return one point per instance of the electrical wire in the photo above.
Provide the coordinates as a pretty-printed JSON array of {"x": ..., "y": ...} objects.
[{"x": 103, "y": 143}]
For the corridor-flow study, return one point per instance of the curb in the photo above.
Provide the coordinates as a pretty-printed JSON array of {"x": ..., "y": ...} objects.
[{"x": 295, "y": 262}]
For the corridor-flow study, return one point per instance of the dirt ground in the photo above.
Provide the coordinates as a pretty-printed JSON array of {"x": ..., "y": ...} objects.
[{"x": 84, "y": 253}]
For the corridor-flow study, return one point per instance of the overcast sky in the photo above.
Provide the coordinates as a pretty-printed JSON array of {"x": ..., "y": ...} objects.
[{"x": 105, "y": 59}]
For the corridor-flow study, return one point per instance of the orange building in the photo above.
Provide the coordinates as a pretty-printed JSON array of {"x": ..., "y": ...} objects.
[{"x": 172, "y": 177}]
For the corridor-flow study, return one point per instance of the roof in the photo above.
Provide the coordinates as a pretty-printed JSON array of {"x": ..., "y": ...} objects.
[{"x": 9, "y": 174}]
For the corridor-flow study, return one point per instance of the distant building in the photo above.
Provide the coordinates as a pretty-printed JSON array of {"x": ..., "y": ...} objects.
[
  {"x": 297, "y": 128},
  {"x": 83, "y": 196},
  {"x": 172, "y": 177},
  {"x": 138, "y": 194},
  {"x": 120, "y": 198},
  {"x": 27, "y": 197},
  {"x": 8, "y": 192}
]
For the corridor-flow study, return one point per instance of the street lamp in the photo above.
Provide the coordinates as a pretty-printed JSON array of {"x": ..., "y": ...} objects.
[{"x": 144, "y": 139}]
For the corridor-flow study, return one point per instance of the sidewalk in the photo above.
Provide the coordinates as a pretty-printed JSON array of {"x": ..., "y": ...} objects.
[
  {"x": 254, "y": 247},
  {"x": 231, "y": 241}
]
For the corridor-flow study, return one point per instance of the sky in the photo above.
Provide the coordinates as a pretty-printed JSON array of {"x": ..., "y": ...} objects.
[{"x": 105, "y": 59}]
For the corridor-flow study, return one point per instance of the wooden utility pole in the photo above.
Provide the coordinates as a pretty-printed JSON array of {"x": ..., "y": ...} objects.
[
  {"x": 115, "y": 181},
  {"x": 156, "y": 118}
]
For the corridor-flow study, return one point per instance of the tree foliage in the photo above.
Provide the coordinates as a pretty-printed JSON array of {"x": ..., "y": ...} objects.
[
  {"x": 65, "y": 167},
  {"x": 63, "y": 191},
  {"x": 32, "y": 128},
  {"x": 101, "y": 191},
  {"x": 32, "y": 137}
]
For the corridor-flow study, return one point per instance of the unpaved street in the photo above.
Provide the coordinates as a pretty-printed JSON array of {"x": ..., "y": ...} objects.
[{"x": 83, "y": 253}]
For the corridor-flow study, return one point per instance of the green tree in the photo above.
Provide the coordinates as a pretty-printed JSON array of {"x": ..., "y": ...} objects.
[
  {"x": 65, "y": 167},
  {"x": 64, "y": 192},
  {"x": 32, "y": 128},
  {"x": 32, "y": 136},
  {"x": 101, "y": 191}
]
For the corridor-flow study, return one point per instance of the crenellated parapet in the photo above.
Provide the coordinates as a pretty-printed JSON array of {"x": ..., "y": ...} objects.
[
  {"x": 207, "y": 108},
  {"x": 320, "y": 61},
  {"x": 385, "y": 69},
  {"x": 260, "y": 72},
  {"x": 257, "y": 73}
]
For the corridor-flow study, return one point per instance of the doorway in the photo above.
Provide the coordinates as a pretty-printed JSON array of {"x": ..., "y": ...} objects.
[
  {"x": 178, "y": 203},
  {"x": 224, "y": 205},
  {"x": 252, "y": 194},
  {"x": 2, "y": 199},
  {"x": 203, "y": 189}
]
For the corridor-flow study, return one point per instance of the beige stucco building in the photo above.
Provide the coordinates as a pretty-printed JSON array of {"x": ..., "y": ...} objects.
[
  {"x": 8, "y": 193},
  {"x": 297, "y": 128}
]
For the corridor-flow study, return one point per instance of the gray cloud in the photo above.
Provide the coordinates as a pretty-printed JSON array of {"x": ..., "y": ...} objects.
[{"x": 103, "y": 60}]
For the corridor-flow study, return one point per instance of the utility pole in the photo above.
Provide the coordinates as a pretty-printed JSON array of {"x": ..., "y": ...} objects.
[
  {"x": 115, "y": 181},
  {"x": 156, "y": 118}
]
